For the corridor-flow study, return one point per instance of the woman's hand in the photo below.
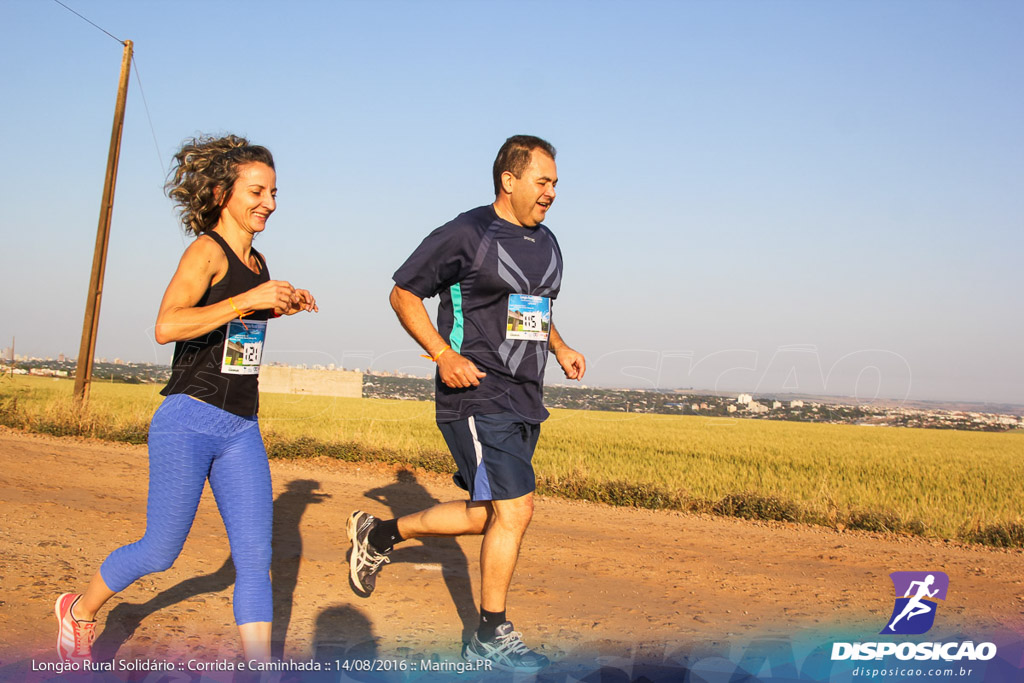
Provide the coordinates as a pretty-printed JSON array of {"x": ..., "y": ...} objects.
[
  {"x": 273, "y": 294},
  {"x": 301, "y": 300}
]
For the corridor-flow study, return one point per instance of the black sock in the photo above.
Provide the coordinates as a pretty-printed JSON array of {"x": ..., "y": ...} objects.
[
  {"x": 384, "y": 536},
  {"x": 488, "y": 622}
]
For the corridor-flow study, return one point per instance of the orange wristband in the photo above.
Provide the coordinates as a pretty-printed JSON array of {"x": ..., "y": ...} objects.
[
  {"x": 240, "y": 314},
  {"x": 434, "y": 358}
]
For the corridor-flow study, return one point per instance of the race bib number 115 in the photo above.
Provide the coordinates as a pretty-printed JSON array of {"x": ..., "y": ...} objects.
[{"x": 529, "y": 317}]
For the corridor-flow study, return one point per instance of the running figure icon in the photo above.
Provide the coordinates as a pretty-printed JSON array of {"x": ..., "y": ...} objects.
[{"x": 916, "y": 606}]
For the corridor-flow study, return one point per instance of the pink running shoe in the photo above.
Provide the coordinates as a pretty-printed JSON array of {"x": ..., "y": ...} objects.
[{"x": 74, "y": 638}]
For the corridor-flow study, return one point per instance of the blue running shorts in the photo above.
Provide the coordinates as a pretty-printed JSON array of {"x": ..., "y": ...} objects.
[{"x": 494, "y": 454}]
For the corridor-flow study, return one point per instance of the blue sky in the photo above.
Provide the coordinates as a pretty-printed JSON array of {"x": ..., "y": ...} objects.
[{"x": 753, "y": 196}]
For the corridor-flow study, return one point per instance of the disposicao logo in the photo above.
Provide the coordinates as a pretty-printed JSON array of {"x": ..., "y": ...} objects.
[
  {"x": 913, "y": 613},
  {"x": 916, "y": 596}
]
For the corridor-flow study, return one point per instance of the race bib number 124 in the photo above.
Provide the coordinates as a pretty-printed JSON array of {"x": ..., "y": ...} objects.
[{"x": 243, "y": 347}]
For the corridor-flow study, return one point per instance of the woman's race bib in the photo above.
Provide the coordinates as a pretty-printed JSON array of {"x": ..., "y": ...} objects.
[{"x": 243, "y": 347}]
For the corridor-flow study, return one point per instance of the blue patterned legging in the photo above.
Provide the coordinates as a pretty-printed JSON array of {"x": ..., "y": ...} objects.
[{"x": 190, "y": 442}]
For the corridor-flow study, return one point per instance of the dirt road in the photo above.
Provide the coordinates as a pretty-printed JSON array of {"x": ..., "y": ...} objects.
[{"x": 593, "y": 581}]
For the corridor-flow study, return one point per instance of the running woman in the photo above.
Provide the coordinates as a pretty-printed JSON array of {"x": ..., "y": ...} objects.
[
  {"x": 215, "y": 309},
  {"x": 497, "y": 270}
]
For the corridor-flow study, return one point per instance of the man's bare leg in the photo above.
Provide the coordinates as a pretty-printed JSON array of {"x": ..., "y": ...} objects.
[
  {"x": 500, "y": 549},
  {"x": 503, "y": 524},
  {"x": 496, "y": 640},
  {"x": 457, "y": 518}
]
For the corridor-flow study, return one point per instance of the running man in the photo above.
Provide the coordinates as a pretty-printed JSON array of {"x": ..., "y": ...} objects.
[
  {"x": 497, "y": 269},
  {"x": 915, "y": 606}
]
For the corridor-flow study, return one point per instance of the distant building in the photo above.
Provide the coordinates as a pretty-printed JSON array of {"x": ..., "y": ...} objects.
[
  {"x": 755, "y": 407},
  {"x": 776, "y": 405},
  {"x": 796, "y": 404},
  {"x": 289, "y": 380},
  {"x": 731, "y": 409},
  {"x": 744, "y": 399}
]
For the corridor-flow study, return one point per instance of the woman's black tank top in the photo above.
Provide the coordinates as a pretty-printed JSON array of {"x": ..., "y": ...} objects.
[{"x": 224, "y": 375}]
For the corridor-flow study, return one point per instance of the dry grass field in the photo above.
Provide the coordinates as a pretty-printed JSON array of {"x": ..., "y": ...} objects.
[{"x": 938, "y": 483}]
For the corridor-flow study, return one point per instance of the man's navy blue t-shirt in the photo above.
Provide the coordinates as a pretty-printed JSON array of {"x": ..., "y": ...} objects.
[{"x": 481, "y": 265}]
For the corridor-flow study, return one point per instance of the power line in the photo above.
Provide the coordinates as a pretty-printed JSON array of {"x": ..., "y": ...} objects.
[
  {"x": 145, "y": 105},
  {"x": 152, "y": 130},
  {"x": 87, "y": 21},
  {"x": 138, "y": 78}
]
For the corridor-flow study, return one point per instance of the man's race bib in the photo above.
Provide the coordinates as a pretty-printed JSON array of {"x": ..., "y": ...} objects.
[
  {"x": 243, "y": 348},
  {"x": 529, "y": 317}
]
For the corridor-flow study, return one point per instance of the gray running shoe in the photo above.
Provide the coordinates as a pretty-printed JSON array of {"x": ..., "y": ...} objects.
[
  {"x": 363, "y": 560},
  {"x": 506, "y": 652}
]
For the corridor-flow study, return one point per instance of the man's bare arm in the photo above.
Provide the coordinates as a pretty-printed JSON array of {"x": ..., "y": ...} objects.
[
  {"x": 457, "y": 371},
  {"x": 573, "y": 363}
]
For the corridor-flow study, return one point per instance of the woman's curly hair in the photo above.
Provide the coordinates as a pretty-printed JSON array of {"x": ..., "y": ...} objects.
[{"x": 204, "y": 173}]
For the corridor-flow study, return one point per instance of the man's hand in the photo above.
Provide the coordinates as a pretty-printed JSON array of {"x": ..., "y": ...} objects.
[
  {"x": 573, "y": 363},
  {"x": 457, "y": 371}
]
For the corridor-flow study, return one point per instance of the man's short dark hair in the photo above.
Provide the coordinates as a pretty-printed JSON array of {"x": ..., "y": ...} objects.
[{"x": 514, "y": 156}]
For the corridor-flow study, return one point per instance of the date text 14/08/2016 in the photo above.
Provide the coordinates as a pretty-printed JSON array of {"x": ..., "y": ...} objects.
[{"x": 432, "y": 665}]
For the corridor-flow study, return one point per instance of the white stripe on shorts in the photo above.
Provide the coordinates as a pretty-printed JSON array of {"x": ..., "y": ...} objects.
[{"x": 476, "y": 441}]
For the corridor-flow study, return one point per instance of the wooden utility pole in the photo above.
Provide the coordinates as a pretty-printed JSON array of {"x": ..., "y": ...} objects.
[{"x": 83, "y": 372}]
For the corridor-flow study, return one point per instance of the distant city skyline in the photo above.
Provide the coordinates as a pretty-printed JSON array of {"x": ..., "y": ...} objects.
[
  {"x": 818, "y": 198},
  {"x": 1017, "y": 408}
]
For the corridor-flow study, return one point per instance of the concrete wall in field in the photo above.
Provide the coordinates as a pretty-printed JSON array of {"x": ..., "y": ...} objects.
[{"x": 281, "y": 380}]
